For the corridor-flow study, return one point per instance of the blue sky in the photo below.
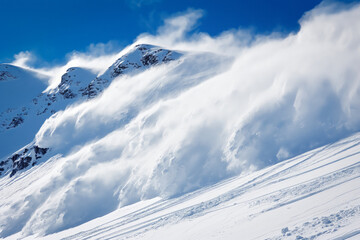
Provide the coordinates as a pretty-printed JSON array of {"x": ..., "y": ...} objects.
[{"x": 50, "y": 29}]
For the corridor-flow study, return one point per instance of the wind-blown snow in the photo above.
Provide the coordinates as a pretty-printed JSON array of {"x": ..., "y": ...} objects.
[
  {"x": 312, "y": 196},
  {"x": 222, "y": 109}
]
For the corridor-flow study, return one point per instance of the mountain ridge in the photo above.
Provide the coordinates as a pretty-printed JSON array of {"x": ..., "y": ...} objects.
[{"x": 77, "y": 84}]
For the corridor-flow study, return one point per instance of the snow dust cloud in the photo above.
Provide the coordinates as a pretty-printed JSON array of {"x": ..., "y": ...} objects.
[{"x": 232, "y": 104}]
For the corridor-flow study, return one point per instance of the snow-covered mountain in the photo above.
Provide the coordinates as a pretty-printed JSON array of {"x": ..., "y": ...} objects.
[
  {"x": 23, "y": 119},
  {"x": 18, "y": 87},
  {"x": 200, "y": 138}
]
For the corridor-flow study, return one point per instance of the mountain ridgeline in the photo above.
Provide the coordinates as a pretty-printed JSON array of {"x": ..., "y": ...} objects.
[{"x": 77, "y": 84}]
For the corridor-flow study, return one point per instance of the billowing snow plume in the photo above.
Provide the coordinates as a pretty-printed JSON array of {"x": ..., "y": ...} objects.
[{"x": 186, "y": 124}]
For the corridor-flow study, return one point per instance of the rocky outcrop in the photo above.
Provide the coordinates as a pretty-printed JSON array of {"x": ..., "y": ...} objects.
[
  {"x": 16, "y": 121},
  {"x": 22, "y": 159},
  {"x": 140, "y": 58},
  {"x": 5, "y": 75}
]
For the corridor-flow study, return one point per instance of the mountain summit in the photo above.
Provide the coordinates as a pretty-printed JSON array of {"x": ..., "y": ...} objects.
[{"x": 33, "y": 105}]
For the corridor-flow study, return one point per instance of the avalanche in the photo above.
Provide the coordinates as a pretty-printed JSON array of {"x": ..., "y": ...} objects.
[
  {"x": 312, "y": 196},
  {"x": 190, "y": 136}
]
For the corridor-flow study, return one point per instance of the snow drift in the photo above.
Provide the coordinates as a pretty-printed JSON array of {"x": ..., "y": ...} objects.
[{"x": 229, "y": 105}]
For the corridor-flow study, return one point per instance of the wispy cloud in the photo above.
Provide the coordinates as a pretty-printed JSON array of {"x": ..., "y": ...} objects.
[
  {"x": 176, "y": 34},
  {"x": 97, "y": 58},
  {"x": 23, "y": 59}
]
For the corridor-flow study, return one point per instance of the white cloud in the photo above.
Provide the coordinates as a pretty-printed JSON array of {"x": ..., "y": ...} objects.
[
  {"x": 177, "y": 34},
  {"x": 22, "y": 59},
  {"x": 97, "y": 59}
]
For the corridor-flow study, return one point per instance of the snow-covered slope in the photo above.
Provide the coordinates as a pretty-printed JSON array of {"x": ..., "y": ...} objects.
[
  {"x": 23, "y": 118},
  {"x": 18, "y": 86},
  {"x": 20, "y": 124},
  {"x": 199, "y": 132},
  {"x": 311, "y": 196}
]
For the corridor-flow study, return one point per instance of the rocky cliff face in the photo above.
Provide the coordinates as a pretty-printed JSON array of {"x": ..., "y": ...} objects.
[
  {"x": 143, "y": 56},
  {"x": 28, "y": 156}
]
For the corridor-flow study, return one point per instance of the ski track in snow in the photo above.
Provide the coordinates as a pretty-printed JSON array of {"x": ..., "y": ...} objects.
[{"x": 333, "y": 171}]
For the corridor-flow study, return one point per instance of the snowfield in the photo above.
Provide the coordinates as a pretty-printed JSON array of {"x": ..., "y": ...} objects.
[
  {"x": 186, "y": 136},
  {"x": 312, "y": 196}
]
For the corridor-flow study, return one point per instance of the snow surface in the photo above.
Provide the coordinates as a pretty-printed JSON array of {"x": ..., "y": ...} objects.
[
  {"x": 189, "y": 139},
  {"x": 20, "y": 123},
  {"x": 314, "y": 195},
  {"x": 18, "y": 86}
]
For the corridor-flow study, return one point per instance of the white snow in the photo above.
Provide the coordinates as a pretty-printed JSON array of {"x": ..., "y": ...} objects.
[
  {"x": 18, "y": 86},
  {"x": 194, "y": 148},
  {"x": 312, "y": 195}
]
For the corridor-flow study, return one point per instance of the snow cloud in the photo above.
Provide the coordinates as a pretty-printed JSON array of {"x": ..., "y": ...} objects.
[
  {"x": 246, "y": 103},
  {"x": 97, "y": 59},
  {"x": 23, "y": 59},
  {"x": 176, "y": 34}
]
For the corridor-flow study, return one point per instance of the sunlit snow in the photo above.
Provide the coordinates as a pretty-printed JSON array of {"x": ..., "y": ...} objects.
[{"x": 189, "y": 136}]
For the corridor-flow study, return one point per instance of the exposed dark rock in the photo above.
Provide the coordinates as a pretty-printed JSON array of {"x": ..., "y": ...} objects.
[
  {"x": 119, "y": 70},
  {"x": 141, "y": 47},
  {"x": 135, "y": 65},
  {"x": 89, "y": 91},
  {"x": 22, "y": 163},
  {"x": 5, "y": 75},
  {"x": 65, "y": 84},
  {"x": 24, "y": 159},
  {"x": 15, "y": 157},
  {"x": 39, "y": 152},
  {"x": 13, "y": 172},
  {"x": 42, "y": 112},
  {"x": 51, "y": 97},
  {"x": 168, "y": 57},
  {"x": 16, "y": 121},
  {"x": 149, "y": 59},
  {"x": 67, "y": 93},
  {"x": 2, "y": 163}
]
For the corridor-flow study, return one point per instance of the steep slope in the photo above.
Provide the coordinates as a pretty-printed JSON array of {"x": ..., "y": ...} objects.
[
  {"x": 20, "y": 123},
  {"x": 93, "y": 123},
  {"x": 141, "y": 57},
  {"x": 162, "y": 131},
  {"x": 18, "y": 86},
  {"x": 311, "y": 196}
]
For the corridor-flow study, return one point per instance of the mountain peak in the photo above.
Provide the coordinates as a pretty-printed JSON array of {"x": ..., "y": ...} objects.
[
  {"x": 77, "y": 84},
  {"x": 142, "y": 55},
  {"x": 144, "y": 46}
]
